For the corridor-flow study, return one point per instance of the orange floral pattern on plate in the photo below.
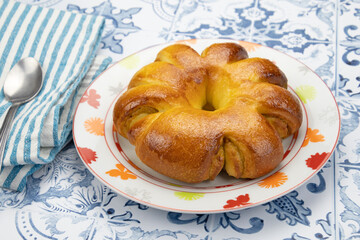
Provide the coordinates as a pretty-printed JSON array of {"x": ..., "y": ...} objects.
[
  {"x": 88, "y": 155},
  {"x": 312, "y": 135},
  {"x": 241, "y": 200},
  {"x": 95, "y": 126},
  {"x": 92, "y": 98},
  {"x": 273, "y": 181},
  {"x": 316, "y": 161},
  {"x": 121, "y": 172}
]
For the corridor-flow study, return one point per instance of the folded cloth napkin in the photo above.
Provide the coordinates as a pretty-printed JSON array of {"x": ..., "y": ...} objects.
[{"x": 65, "y": 44}]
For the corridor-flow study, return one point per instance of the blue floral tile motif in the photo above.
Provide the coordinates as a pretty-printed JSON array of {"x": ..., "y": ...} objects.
[
  {"x": 165, "y": 9},
  {"x": 274, "y": 33},
  {"x": 349, "y": 6},
  {"x": 289, "y": 208},
  {"x": 350, "y": 221},
  {"x": 139, "y": 205},
  {"x": 116, "y": 28},
  {"x": 344, "y": 85},
  {"x": 279, "y": 27},
  {"x": 348, "y": 148},
  {"x": 63, "y": 186},
  {"x": 122, "y": 217},
  {"x": 352, "y": 46},
  {"x": 317, "y": 188},
  {"x": 349, "y": 49},
  {"x": 327, "y": 226},
  {"x": 218, "y": 222},
  {"x": 230, "y": 20},
  {"x": 348, "y": 166},
  {"x": 105, "y": 231},
  {"x": 281, "y": 22},
  {"x": 40, "y": 225},
  {"x": 325, "y": 233}
]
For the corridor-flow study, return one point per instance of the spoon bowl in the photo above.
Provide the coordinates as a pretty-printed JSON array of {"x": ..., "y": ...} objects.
[
  {"x": 24, "y": 81},
  {"x": 22, "y": 84}
]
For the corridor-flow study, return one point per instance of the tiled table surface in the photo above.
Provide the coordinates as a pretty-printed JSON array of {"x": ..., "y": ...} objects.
[{"x": 65, "y": 201}]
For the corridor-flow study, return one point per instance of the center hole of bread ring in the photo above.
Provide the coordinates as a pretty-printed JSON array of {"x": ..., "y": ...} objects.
[{"x": 208, "y": 107}]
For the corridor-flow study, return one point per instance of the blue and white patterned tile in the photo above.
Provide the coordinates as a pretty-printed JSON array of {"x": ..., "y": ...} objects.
[
  {"x": 126, "y": 230},
  {"x": 310, "y": 21},
  {"x": 348, "y": 74},
  {"x": 104, "y": 230},
  {"x": 348, "y": 6},
  {"x": 62, "y": 186},
  {"x": 137, "y": 42},
  {"x": 245, "y": 228},
  {"x": 127, "y": 24},
  {"x": 128, "y": 226},
  {"x": 229, "y": 225},
  {"x": 125, "y": 14},
  {"x": 41, "y": 225},
  {"x": 348, "y": 171},
  {"x": 130, "y": 25},
  {"x": 213, "y": 19},
  {"x": 349, "y": 49},
  {"x": 119, "y": 211},
  {"x": 302, "y": 29}
]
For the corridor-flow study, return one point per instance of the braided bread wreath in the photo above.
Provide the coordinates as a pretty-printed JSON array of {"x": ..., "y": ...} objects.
[{"x": 190, "y": 116}]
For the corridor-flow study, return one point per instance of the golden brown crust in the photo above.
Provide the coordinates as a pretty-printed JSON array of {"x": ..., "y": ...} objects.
[
  {"x": 223, "y": 53},
  {"x": 166, "y": 113}
]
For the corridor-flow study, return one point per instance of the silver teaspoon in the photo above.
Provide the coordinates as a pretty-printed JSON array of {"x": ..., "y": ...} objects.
[{"x": 22, "y": 84}]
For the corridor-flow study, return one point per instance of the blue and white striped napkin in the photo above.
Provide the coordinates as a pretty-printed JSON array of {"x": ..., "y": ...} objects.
[{"x": 65, "y": 44}]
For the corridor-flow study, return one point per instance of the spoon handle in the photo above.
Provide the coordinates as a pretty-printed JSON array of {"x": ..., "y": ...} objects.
[{"x": 5, "y": 131}]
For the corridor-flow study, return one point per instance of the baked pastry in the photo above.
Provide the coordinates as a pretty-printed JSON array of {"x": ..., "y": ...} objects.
[{"x": 190, "y": 116}]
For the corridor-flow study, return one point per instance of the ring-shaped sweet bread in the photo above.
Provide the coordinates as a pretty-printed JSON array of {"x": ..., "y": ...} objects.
[{"x": 190, "y": 116}]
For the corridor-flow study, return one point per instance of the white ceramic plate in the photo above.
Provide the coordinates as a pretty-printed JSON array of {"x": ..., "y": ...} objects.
[{"x": 113, "y": 160}]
